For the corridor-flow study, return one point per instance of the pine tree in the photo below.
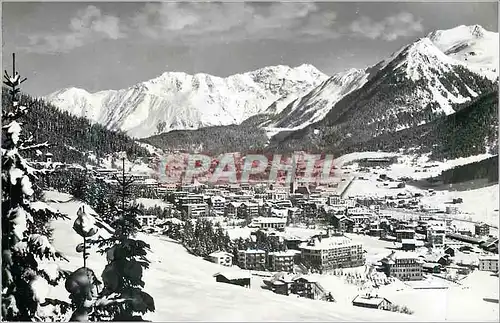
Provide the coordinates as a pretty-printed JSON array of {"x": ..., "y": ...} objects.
[
  {"x": 26, "y": 248},
  {"x": 126, "y": 255}
]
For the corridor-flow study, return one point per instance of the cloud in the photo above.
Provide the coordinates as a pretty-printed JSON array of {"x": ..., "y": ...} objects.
[
  {"x": 88, "y": 25},
  {"x": 230, "y": 21},
  {"x": 390, "y": 28}
]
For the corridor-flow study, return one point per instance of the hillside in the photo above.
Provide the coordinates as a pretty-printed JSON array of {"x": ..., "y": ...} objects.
[
  {"x": 71, "y": 137},
  {"x": 213, "y": 140},
  {"x": 472, "y": 130}
]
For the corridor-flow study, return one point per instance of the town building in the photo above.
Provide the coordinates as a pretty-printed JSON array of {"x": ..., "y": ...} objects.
[
  {"x": 146, "y": 220},
  {"x": 309, "y": 209},
  {"x": 335, "y": 200},
  {"x": 283, "y": 260},
  {"x": 221, "y": 258},
  {"x": 232, "y": 209},
  {"x": 488, "y": 263},
  {"x": 252, "y": 259},
  {"x": 195, "y": 210},
  {"x": 277, "y": 194},
  {"x": 248, "y": 210},
  {"x": 342, "y": 222},
  {"x": 436, "y": 236},
  {"x": 481, "y": 229},
  {"x": 218, "y": 204},
  {"x": 404, "y": 265},
  {"x": 405, "y": 234},
  {"x": 268, "y": 223},
  {"x": 332, "y": 252},
  {"x": 191, "y": 199}
]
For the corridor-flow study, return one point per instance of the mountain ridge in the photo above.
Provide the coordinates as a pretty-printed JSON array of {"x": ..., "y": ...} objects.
[{"x": 186, "y": 101}]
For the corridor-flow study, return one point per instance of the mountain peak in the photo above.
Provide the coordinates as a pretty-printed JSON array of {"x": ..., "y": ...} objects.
[{"x": 462, "y": 32}]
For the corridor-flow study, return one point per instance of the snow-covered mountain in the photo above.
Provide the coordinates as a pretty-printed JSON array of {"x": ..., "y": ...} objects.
[
  {"x": 472, "y": 45},
  {"x": 183, "y": 101},
  {"x": 429, "y": 59},
  {"x": 422, "y": 81}
]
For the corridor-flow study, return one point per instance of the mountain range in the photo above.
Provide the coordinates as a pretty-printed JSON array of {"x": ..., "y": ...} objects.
[
  {"x": 177, "y": 100},
  {"x": 300, "y": 108}
]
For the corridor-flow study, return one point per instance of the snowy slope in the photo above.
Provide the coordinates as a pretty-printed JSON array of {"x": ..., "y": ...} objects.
[
  {"x": 472, "y": 45},
  {"x": 313, "y": 106},
  {"x": 184, "y": 289},
  {"x": 186, "y": 101}
]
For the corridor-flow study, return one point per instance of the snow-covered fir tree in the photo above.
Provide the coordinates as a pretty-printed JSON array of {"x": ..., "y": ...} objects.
[
  {"x": 126, "y": 256},
  {"x": 28, "y": 257}
]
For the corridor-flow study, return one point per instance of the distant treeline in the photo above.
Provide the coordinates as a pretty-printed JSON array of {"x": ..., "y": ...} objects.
[
  {"x": 71, "y": 137},
  {"x": 484, "y": 169}
]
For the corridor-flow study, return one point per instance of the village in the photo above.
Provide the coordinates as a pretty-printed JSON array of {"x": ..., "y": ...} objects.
[{"x": 313, "y": 233}]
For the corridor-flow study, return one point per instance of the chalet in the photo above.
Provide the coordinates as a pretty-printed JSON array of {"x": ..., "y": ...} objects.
[
  {"x": 232, "y": 209},
  {"x": 431, "y": 267},
  {"x": 221, "y": 258},
  {"x": 441, "y": 259},
  {"x": 303, "y": 286},
  {"x": 342, "y": 222},
  {"x": 369, "y": 301},
  {"x": 248, "y": 209},
  {"x": 235, "y": 278},
  {"x": 308, "y": 288},
  {"x": 436, "y": 236},
  {"x": 408, "y": 244},
  {"x": 482, "y": 229}
]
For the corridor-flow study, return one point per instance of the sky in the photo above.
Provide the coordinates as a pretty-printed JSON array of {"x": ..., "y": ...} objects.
[{"x": 113, "y": 45}]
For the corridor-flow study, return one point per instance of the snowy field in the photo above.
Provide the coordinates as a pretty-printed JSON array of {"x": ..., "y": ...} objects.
[{"x": 184, "y": 289}]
